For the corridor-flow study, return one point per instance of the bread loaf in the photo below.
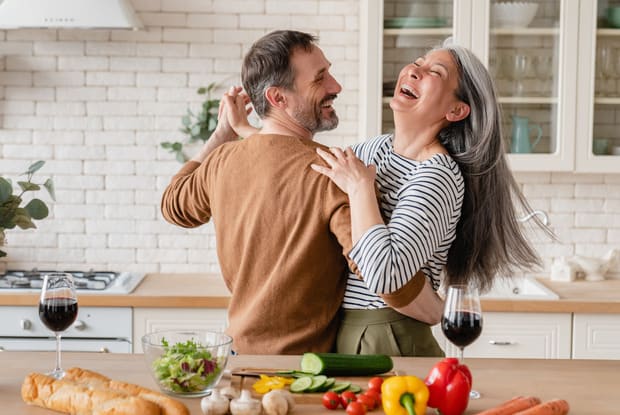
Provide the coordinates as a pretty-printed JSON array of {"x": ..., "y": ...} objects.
[
  {"x": 169, "y": 406},
  {"x": 71, "y": 398}
]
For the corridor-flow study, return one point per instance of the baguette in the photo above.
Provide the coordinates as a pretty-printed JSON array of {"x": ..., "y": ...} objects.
[
  {"x": 169, "y": 406},
  {"x": 70, "y": 398}
]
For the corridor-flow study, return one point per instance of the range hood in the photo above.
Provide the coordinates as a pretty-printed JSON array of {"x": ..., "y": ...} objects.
[{"x": 68, "y": 14}]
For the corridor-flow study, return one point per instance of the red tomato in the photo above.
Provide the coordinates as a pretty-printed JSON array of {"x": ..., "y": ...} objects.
[
  {"x": 346, "y": 397},
  {"x": 356, "y": 408},
  {"x": 375, "y": 394},
  {"x": 331, "y": 400},
  {"x": 375, "y": 383},
  {"x": 367, "y": 400}
]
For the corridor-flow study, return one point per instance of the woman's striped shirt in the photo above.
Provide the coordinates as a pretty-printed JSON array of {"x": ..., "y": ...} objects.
[{"x": 421, "y": 205}]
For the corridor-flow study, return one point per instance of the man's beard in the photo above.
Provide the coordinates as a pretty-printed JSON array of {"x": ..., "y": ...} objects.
[{"x": 312, "y": 118}]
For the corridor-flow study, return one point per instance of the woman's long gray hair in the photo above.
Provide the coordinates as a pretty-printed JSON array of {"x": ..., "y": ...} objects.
[{"x": 489, "y": 241}]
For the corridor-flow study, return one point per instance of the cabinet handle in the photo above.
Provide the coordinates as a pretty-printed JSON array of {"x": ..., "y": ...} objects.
[
  {"x": 25, "y": 324},
  {"x": 501, "y": 343},
  {"x": 104, "y": 350},
  {"x": 79, "y": 325}
]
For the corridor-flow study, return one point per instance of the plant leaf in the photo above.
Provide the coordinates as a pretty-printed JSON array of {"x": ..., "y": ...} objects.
[
  {"x": 23, "y": 220},
  {"x": 29, "y": 186},
  {"x": 180, "y": 157},
  {"x": 186, "y": 120},
  {"x": 202, "y": 90},
  {"x": 37, "y": 209},
  {"x": 6, "y": 189},
  {"x": 177, "y": 146},
  {"x": 196, "y": 130},
  {"x": 49, "y": 186},
  {"x": 35, "y": 166}
]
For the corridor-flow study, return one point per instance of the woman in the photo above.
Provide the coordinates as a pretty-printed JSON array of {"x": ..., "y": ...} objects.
[{"x": 446, "y": 195}]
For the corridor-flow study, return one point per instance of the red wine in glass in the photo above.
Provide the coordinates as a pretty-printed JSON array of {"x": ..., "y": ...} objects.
[
  {"x": 461, "y": 321},
  {"x": 58, "y": 313},
  {"x": 58, "y": 309},
  {"x": 462, "y": 328}
]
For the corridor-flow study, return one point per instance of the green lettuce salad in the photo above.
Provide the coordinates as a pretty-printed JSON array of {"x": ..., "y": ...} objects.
[{"x": 186, "y": 367}]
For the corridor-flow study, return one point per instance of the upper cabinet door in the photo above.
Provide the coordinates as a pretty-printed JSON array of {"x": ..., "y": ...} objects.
[
  {"x": 530, "y": 50},
  {"x": 556, "y": 64},
  {"x": 598, "y": 94},
  {"x": 394, "y": 33}
]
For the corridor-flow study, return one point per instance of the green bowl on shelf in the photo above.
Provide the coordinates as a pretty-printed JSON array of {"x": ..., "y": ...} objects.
[{"x": 613, "y": 16}]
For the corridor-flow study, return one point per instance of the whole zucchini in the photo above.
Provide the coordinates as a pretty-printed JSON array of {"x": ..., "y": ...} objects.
[{"x": 339, "y": 364}]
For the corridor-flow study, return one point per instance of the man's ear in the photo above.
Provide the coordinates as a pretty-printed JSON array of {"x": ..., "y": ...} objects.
[
  {"x": 275, "y": 97},
  {"x": 459, "y": 112}
]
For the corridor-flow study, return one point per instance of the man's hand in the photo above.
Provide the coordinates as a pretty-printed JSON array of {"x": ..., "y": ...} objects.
[{"x": 232, "y": 112}]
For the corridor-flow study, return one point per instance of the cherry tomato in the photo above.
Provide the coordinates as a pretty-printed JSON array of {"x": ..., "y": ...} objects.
[
  {"x": 356, "y": 408},
  {"x": 375, "y": 394},
  {"x": 375, "y": 383},
  {"x": 367, "y": 400},
  {"x": 331, "y": 400},
  {"x": 346, "y": 397}
]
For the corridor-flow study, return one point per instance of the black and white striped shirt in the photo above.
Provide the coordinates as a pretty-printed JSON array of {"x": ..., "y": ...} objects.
[{"x": 421, "y": 204}]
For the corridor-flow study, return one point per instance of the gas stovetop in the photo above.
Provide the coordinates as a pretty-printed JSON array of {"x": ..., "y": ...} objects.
[{"x": 96, "y": 282}]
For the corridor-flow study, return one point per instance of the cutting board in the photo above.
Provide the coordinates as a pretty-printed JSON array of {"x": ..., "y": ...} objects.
[{"x": 244, "y": 378}]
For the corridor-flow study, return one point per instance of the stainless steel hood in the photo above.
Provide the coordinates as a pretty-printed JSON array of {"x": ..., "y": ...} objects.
[{"x": 68, "y": 14}]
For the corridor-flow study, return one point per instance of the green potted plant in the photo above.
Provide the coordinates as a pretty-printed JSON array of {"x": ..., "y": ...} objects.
[
  {"x": 197, "y": 127},
  {"x": 12, "y": 213}
]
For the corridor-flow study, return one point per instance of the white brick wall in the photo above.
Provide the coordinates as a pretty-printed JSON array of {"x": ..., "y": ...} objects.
[{"x": 96, "y": 104}]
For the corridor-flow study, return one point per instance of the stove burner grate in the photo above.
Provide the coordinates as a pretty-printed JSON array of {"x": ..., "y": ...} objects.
[{"x": 84, "y": 280}]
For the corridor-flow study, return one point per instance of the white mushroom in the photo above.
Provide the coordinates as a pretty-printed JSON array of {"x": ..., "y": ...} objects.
[
  {"x": 245, "y": 404},
  {"x": 214, "y": 404},
  {"x": 229, "y": 392},
  {"x": 278, "y": 402}
]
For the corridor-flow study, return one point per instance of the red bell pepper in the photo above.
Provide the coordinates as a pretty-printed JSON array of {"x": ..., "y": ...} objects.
[{"x": 449, "y": 384}]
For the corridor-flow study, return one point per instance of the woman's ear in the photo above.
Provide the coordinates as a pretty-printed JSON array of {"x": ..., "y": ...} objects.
[
  {"x": 459, "y": 112},
  {"x": 275, "y": 97}
]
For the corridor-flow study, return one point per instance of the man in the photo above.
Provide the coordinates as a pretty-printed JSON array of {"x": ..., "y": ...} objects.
[{"x": 282, "y": 230}]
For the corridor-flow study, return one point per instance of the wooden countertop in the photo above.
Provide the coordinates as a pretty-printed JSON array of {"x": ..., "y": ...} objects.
[
  {"x": 590, "y": 387},
  {"x": 209, "y": 291},
  {"x": 155, "y": 290}
]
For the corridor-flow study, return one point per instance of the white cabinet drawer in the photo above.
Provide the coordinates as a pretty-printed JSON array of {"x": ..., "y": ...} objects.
[
  {"x": 518, "y": 335},
  {"x": 596, "y": 336},
  {"x": 146, "y": 320}
]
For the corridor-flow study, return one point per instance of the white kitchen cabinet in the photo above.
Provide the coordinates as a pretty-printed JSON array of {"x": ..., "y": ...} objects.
[
  {"x": 546, "y": 73},
  {"x": 146, "y": 320},
  {"x": 596, "y": 336},
  {"x": 517, "y": 335}
]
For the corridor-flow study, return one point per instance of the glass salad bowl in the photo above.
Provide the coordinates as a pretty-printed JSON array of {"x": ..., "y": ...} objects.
[{"x": 186, "y": 363}]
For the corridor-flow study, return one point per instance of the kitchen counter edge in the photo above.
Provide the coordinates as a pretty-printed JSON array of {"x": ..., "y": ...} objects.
[{"x": 167, "y": 290}]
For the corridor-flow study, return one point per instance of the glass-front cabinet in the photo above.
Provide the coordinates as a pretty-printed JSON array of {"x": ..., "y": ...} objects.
[{"x": 556, "y": 64}]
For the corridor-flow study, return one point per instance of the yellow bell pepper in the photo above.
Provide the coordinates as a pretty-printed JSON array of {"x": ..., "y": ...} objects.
[
  {"x": 404, "y": 395},
  {"x": 267, "y": 383}
]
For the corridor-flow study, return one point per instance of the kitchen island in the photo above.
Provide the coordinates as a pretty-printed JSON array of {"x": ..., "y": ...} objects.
[{"x": 589, "y": 386}]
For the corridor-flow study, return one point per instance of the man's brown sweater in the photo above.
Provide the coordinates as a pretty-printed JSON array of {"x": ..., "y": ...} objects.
[{"x": 282, "y": 233}]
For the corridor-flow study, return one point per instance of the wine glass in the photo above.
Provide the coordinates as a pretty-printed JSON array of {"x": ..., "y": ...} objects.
[
  {"x": 605, "y": 70},
  {"x": 58, "y": 309},
  {"x": 461, "y": 321},
  {"x": 521, "y": 68}
]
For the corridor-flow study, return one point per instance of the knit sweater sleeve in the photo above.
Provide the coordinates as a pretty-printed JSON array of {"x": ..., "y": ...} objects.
[
  {"x": 427, "y": 209},
  {"x": 185, "y": 202}
]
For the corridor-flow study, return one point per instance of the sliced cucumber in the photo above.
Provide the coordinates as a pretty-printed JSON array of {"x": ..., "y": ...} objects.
[
  {"x": 355, "y": 388},
  {"x": 328, "y": 384},
  {"x": 301, "y": 384},
  {"x": 340, "y": 386},
  {"x": 317, "y": 383}
]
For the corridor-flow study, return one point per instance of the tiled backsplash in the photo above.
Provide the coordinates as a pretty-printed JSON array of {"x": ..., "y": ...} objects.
[{"x": 96, "y": 104}]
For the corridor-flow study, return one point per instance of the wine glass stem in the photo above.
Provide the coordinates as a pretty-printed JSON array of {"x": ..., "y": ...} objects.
[{"x": 58, "y": 369}]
